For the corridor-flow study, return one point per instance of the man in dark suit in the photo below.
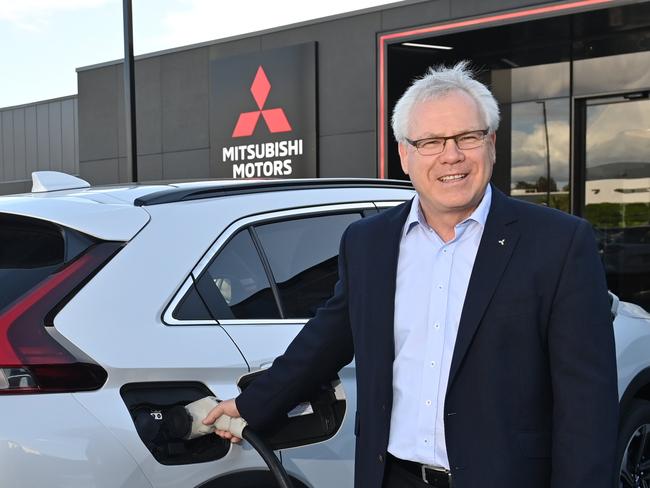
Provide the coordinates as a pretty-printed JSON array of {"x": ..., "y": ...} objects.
[{"x": 480, "y": 324}]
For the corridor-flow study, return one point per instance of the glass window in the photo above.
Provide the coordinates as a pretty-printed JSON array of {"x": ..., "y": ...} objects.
[
  {"x": 540, "y": 142},
  {"x": 236, "y": 283},
  {"x": 617, "y": 192},
  {"x": 191, "y": 307},
  {"x": 30, "y": 250},
  {"x": 303, "y": 255}
]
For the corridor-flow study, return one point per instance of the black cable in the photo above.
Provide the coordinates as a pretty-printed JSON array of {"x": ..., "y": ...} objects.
[{"x": 275, "y": 466}]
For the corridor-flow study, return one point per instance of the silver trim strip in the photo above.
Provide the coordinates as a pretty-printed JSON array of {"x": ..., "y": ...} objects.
[{"x": 388, "y": 204}]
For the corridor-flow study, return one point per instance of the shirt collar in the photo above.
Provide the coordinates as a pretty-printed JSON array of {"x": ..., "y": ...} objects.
[{"x": 479, "y": 215}]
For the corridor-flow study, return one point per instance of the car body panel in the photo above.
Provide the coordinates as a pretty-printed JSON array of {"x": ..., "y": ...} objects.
[
  {"x": 106, "y": 221},
  {"x": 54, "y": 441},
  {"x": 632, "y": 336}
]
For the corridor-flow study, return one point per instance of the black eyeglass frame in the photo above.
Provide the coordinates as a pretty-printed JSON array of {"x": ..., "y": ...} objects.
[{"x": 417, "y": 143}]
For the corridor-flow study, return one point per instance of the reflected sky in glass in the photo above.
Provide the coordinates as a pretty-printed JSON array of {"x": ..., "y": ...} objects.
[
  {"x": 618, "y": 133},
  {"x": 529, "y": 151}
]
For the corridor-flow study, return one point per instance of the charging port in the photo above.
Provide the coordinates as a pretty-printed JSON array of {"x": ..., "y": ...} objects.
[{"x": 149, "y": 404}]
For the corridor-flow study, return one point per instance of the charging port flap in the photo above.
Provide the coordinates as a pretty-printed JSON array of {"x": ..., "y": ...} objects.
[{"x": 315, "y": 420}]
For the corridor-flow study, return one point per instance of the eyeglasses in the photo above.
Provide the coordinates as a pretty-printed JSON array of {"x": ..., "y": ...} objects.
[{"x": 431, "y": 146}]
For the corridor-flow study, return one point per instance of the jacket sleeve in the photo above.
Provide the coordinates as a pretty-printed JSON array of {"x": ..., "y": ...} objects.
[
  {"x": 318, "y": 352},
  {"x": 582, "y": 363}
]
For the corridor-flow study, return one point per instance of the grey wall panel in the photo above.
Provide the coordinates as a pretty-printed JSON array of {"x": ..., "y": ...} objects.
[
  {"x": 348, "y": 155},
  {"x": 99, "y": 172},
  {"x": 123, "y": 175},
  {"x": 2, "y": 150},
  {"x": 235, "y": 48},
  {"x": 97, "y": 113},
  {"x": 76, "y": 135},
  {"x": 120, "y": 111},
  {"x": 184, "y": 78},
  {"x": 68, "y": 137},
  {"x": 31, "y": 141},
  {"x": 43, "y": 135},
  {"x": 416, "y": 14},
  {"x": 148, "y": 106},
  {"x": 469, "y": 8},
  {"x": 150, "y": 167},
  {"x": 13, "y": 187},
  {"x": 56, "y": 143},
  {"x": 213, "y": 171},
  {"x": 38, "y": 137},
  {"x": 8, "y": 145},
  {"x": 20, "y": 162},
  {"x": 186, "y": 164},
  {"x": 346, "y": 70}
]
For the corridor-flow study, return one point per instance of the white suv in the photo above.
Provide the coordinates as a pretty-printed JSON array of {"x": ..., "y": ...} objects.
[{"x": 118, "y": 304}]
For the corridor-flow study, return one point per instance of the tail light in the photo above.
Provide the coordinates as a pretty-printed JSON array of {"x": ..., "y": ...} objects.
[{"x": 31, "y": 360}]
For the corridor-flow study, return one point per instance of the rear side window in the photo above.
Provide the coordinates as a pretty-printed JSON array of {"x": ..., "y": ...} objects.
[
  {"x": 31, "y": 250},
  {"x": 303, "y": 256},
  {"x": 237, "y": 284}
]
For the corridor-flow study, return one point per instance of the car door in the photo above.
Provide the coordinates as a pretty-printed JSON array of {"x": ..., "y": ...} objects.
[{"x": 266, "y": 277}]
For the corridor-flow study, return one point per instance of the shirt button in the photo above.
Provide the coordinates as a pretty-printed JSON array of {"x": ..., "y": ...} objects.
[
  {"x": 427, "y": 403},
  {"x": 436, "y": 325},
  {"x": 439, "y": 287},
  {"x": 433, "y": 364}
]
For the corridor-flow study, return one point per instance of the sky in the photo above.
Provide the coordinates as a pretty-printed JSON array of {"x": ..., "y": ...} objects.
[{"x": 42, "y": 42}]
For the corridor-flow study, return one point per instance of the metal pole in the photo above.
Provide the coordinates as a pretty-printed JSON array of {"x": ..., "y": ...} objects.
[
  {"x": 548, "y": 157},
  {"x": 129, "y": 94}
]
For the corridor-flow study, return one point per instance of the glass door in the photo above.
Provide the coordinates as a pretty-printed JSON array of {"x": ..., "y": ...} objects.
[{"x": 613, "y": 167}]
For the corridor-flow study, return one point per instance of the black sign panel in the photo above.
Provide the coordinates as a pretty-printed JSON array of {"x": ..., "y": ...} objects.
[{"x": 263, "y": 114}]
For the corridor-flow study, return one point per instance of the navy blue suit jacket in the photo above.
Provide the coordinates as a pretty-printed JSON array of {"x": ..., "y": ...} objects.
[{"x": 532, "y": 397}]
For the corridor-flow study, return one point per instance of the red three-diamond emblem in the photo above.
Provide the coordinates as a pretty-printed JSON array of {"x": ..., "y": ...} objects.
[{"x": 276, "y": 120}]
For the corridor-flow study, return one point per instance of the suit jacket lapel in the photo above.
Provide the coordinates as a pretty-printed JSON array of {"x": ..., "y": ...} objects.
[
  {"x": 383, "y": 279},
  {"x": 497, "y": 244}
]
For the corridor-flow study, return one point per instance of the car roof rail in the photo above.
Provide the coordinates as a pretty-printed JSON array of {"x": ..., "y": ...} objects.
[
  {"x": 44, "y": 181},
  {"x": 218, "y": 189}
]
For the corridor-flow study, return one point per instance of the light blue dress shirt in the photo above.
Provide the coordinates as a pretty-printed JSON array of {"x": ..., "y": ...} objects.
[{"x": 432, "y": 280}]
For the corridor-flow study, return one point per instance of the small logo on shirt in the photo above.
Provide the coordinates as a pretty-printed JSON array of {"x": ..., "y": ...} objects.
[{"x": 502, "y": 242}]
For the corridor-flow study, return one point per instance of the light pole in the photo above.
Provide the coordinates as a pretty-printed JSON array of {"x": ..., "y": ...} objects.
[{"x": 129, "y": 94}]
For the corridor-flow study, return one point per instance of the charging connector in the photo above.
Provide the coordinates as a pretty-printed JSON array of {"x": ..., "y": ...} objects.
[{"x": 187, "y": 423}]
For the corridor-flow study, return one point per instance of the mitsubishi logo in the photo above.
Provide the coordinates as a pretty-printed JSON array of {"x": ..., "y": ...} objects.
[{"x": 276, "y": 120}]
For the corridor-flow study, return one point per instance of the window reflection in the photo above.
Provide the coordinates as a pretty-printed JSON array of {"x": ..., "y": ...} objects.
[
  {"x": 617, "y": 192},
  {"x": 540, "y": 140}
]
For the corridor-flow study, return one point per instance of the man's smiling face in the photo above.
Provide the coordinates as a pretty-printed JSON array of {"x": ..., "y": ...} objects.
[{"x": 451, "y": 183}]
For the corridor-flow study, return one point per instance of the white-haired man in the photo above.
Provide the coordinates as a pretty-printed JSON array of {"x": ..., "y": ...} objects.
[{"x": 480, "y": 325}]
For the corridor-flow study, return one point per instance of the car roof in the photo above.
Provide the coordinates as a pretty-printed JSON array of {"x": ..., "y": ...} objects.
[{"x": 114, "y": 212}]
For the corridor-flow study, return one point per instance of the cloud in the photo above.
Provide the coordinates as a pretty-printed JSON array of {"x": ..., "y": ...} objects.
[
  {"x": 34, "y": 14},
  {"x": 618, "y": 132},
  {"x": 529, "y": 152}
]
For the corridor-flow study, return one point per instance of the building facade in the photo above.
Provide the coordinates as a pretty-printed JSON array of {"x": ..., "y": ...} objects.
[
  {"x": 314, "y": 100},
  {"x": 36, "y": 137}
]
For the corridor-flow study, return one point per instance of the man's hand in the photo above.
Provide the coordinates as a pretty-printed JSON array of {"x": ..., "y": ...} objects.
[{"x": 227, "y": 407}]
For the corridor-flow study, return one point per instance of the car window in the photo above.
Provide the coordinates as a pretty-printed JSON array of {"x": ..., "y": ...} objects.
[
  {"x": 31, "y": 250},
  {"x": 236, "y": 284},
  {"x": 191, "y": 307},
  {"x": 303, "y": 256}
]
